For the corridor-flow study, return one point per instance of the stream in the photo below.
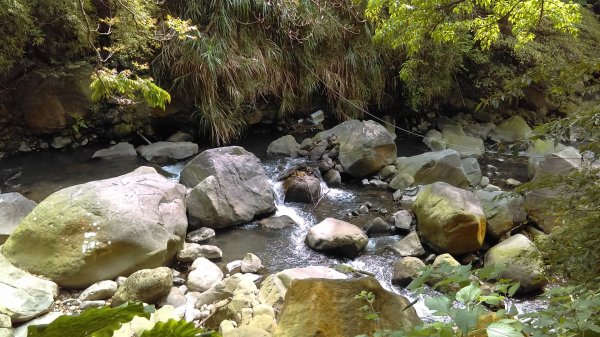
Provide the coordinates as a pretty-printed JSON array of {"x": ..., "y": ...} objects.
[{"x": 37, "y": 175}]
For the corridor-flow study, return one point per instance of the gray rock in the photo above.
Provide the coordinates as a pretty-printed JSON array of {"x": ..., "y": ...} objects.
[
  {"x": 432, "y": 167},
  {"x": 482, "y": 130},
  {"x": 219, "y": 291},
  {"x": 456, "y": 139},
  {"x": 387, "y": 172},
  {"x": 251, "y": 263},
  {"x": 306, "y": 144},
  {"x": 99, "y": 230},
  {"x": 365, "y": 147},
  {"x": 503, "y": 211},
  {"x": 326, "y": 164},
  {"x": 403, "y": 220},
  {"x": 433, "y": 140},
  {"x": 175, "y": 298},
  {"x": 286, "y": 276},
  {"x": 511, "y": 130},
  {"x": 378, "y": 183},
  {"x": 303, "y": 188},
  {"x": 99, "y": 291},
  {"x": 277, "y": 222},
  {"x": 204, "y": 275},
  {"x": 378, "y": 227},
  {"x": 116, "y": 151},
  {"x": 13, "y": 208},
  {"x": 492, "y": 188},
  {"x": 60, "y": 142},
  {"x": 200, "y": 235},
  {"x": 24, "y": 296},
  {"x": 92, "y": 304},
  {"x": 450, "y": 219},
  {"x": 180, "y": 137},
  {"x": 146, "y": 285},
  {"x": 192, "y": 251},
  {"x": 518, "y": 258},
  {"x": 5, "y": 321},
  {"x": 48, "y": 318},
  {"x": 406, "y": 269},
  {"x": 337, "y": 237},
  {"x": 512, "y": 182},
  {"x": 472, "y": 170},
  {"x": 24, "y": 147},
  {"x": 167, "y": 150},
  {"x": 229, "y": 187},
  {"x": 409, "y": 245},
  {"x": 401, "y": 181},
  {"x": 284, "y": 146},
  {"x": 484, "y": 181}
]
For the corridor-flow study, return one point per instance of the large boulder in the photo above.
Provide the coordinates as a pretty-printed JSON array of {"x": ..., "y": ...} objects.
[
  {"x": 503, "y": 211},
  {"x": 146, "y": 285},
  {"x": 511, "y": 130},
  {"x": 102, "y": 229},
  {"x": 284, "y": 146},
  {"x": 436, "y": 166},
  {"x": 229, "y": 187},
  {"x": 337, "y": 237},
  {"x": 328, "y": 308},
  {"x": 24, "y": 296},
  {"x": 13, "y": 208},
  {"x": 450, "y": 219},
  {"x": 517, "y": 258},
  {"x": 287, "y": 276},
  {"x": 116, "y": 151},
  {"x": 364, "y": 147},
  {"x": 167, "y": 150}
]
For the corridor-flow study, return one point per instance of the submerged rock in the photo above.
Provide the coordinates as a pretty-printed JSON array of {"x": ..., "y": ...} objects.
[
  {"x": 229, "y": 187},
  {"x": 318, "y": 307},
  {"x": 337, "y": 237},
  {"x": 102, "y": 229},
  {"x": 450, "y": 219}
]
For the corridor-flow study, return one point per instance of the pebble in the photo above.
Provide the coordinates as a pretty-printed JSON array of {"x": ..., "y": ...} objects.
[{"x": 92, "y": 304}]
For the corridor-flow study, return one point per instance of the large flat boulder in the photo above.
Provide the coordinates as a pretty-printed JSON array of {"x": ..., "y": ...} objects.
[
  {"x": 364, "y": 147},
  {"x": 24, "y": 296},
  {"x": 13, "y": 208},
  {"x": 167, "y": 150},
  {"x": 519, "y": 262},
  {"x": 102, "y": 229},
  {"x": 450, "y": 219},
  {"x": 430, "y": 167},
  {"x": 321, "y": 307},
  {"x": 229, "y": 187},
  {"x": 337, "y": 237}
]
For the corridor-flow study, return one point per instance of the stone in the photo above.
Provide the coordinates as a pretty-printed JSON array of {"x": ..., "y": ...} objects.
[
  {"x": 46, "y": 319},
  {"x": 277, "y": 222},
  {"x": 246, "y": 331},
  {"x": 387, "y": 172},
  {"x": 512, "y": 182},
  {"x": 537, "y": 151},
  {"x": 5, "y": 321},
  {"x": 175, "y": 298},
  {"x": 472, "y": 170},
  {"x": 484, "y": 181},
  {"x": 450, "y": 219},
  {"x": 518, "y": 258},
  {"x": 456, "y": 139},
  {"x": 251, "y": 263},
  {"x": 284, "y": 146},
  {"x": 60, "y": 142},
  {"x": 409, "y": 245},
  {"x": 320, "y": 307},
  {"x": 481, "y": 130},
  {"x": 433, "y": 140},
  {"x": 229, "y": 187},
  {"x": 378, "y": 227},
  {"x": 99, "y": 291},
  {"x": 378, "y": 183},
  {"x": 406, "y": 269},
  {"x": 432, "y": 167},
  {"x": 326, "y": 163},
  {"x": 192, "y": 251},
  {"x": 401, "y": 181},
  {"x": 272, "y": 292},
  {"x": 13, "y": 209},
  {"x": 503, "y": 211},
  {"x": 337, "y": 237},
  {"x": 403, "y": 220},
  {"x": 200, "y": 235},
  {"x": 287, "y": 276},
  {"x": 333, "y": 178},
  {"x": 304, "y": 188},
  {"x": 364, "y": 147},
  {"x": 239, "y": 308},
  {"x": 445, "y": 259},
  {"x": 511, "y": 130},
  {"x": 92, "y": 304},
  {"x": 118, "y": 150},
  {"x": 306, "y": 144},
  {"x": 180, "y": 137},
  {"x": 204, "y": 275},
  {"x": 24, "y": 296},
  {"x": 217, "y": 292},
  {"x": 102, "y": 229},
  {"x": 167, "y": 150},
  {"x": 24, "y": 147},
  {"x": 147, "y": 285}
]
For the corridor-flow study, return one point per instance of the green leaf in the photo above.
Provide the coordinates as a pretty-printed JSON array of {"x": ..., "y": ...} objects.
[
  {"x": 513, "y": 289},
  {"x": 468, "y": 294},
  {"x": 467, "y": 319},
  {"x": 502, "y": 329},
  {"x": 176, "y": 328},
  {"x": 440, "y": 305},
  {"x": 98, "y": 322}
]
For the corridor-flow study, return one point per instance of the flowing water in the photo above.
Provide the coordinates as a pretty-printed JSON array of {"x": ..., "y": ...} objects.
[{"x": 37, "y": 175}]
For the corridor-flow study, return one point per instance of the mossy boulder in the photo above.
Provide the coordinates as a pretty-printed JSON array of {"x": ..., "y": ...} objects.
[
  {"x": 517, "y": 256},
  {"x": 430, "y": 167},
  {"x": 512, "y": 130},
  {"x": 102, "y": 229},
  {"x": 146, "y": 285},
  {"x": 327, "y": 308},
  {"x": 450, "y": 219}
]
